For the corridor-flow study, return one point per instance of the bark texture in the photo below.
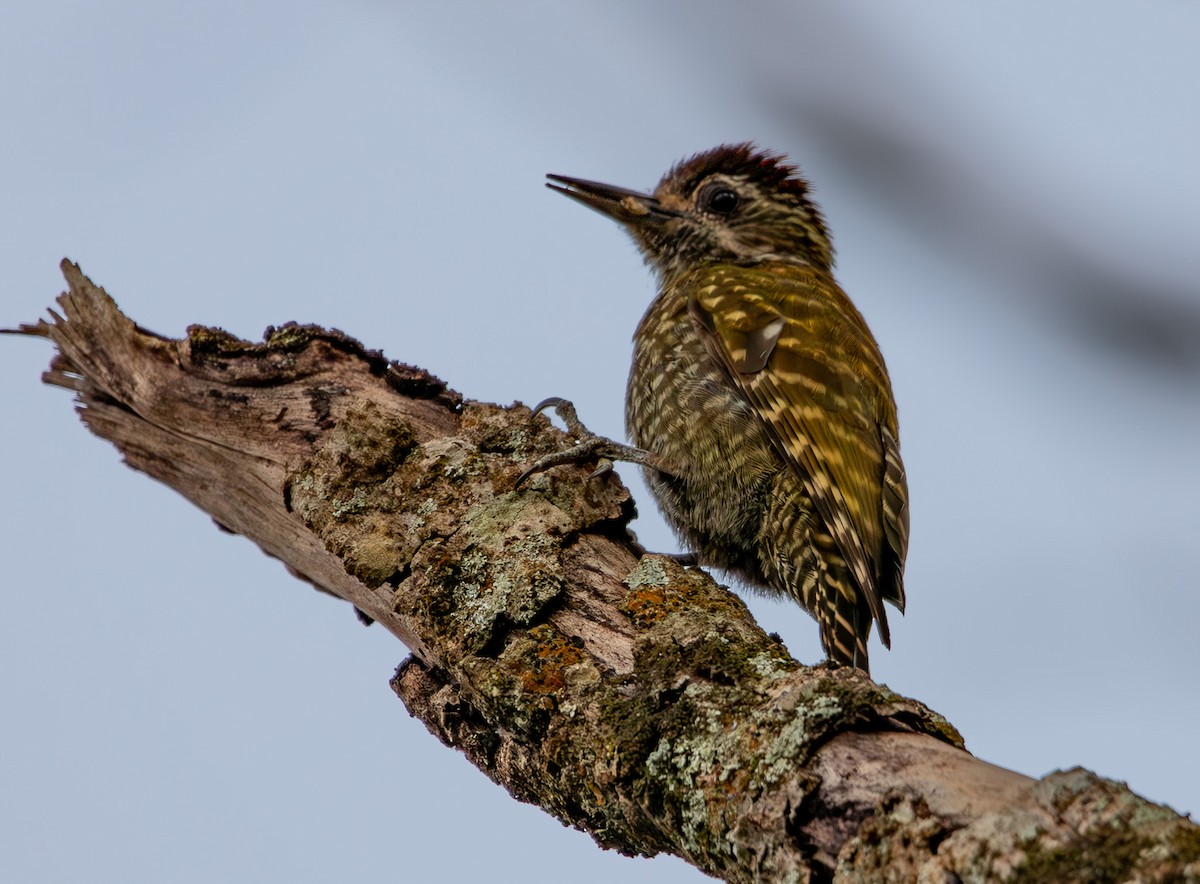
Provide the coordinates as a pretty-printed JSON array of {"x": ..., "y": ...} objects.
[{"x": 630, "y": 697}]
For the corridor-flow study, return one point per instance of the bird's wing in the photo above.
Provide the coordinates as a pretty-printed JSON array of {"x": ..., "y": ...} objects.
[
  {"x": 808, "y": 365},
  {"x": 895, "y": 518}
]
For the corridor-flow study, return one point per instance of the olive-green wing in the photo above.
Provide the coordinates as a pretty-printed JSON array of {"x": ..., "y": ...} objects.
[{"x": 805, "y": 360}]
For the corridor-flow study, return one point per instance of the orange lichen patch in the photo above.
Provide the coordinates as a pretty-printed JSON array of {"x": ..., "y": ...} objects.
[
  {"x": 647, "y": 604},
  {"x": 659, "y": 586},
  {"x": 545, "y": 667}
]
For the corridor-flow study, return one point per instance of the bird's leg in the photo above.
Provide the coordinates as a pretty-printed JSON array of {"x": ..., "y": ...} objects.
[
  {"x": 683, "y": 560},
  {"x": 590, "y": 447}
]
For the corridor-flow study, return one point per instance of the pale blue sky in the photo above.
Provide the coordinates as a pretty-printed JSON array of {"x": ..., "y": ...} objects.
[{"x": 1012, "y": 190}]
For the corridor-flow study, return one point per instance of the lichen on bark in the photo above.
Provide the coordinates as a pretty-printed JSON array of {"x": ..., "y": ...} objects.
[{"x": 629, "y": 696}]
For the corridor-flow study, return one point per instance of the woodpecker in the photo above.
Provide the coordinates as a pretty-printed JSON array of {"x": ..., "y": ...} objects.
[{"x": 758, "y": 401}]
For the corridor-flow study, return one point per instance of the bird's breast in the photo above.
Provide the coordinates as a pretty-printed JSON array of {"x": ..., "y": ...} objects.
[{"x": 681, "y": 405}]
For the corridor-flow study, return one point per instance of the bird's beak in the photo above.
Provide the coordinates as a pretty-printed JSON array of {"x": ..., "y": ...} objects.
[{"x": 627, "y": 206}]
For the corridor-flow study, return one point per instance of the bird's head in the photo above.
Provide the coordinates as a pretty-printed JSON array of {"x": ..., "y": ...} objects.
[{"x": 734, "y": 203}]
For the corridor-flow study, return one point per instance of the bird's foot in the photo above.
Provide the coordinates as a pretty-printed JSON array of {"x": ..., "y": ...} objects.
[
  {"x": 589, "y": 446},
  {"x": 684, "y": 560}
]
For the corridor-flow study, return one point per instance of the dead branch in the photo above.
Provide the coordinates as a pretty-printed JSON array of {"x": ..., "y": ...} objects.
[{"x": 628, "y": 696}]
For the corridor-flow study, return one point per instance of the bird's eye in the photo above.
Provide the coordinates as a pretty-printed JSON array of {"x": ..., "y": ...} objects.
[{"x": 719, "y": 200}]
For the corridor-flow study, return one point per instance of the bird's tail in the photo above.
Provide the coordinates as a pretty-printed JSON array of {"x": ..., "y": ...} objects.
[{"x": 844, "y": 618}]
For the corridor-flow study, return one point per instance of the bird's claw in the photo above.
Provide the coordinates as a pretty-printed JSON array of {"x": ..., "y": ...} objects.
[
  {"x": 550, "y": 402},
  {"x": 565, "y": 409},
  {"x": 589, "y": 447},
  {"x": 605, "y": 466}
]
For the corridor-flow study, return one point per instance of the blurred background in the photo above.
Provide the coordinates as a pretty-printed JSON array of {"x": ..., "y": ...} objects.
[{"x": 1013, "y": 193}]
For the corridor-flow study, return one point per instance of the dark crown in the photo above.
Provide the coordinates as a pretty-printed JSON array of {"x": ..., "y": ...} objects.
[{"x": 746, "y": 160}]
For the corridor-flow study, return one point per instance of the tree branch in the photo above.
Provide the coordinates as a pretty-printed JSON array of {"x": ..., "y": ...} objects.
[{"x": 628, "y": 696}]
